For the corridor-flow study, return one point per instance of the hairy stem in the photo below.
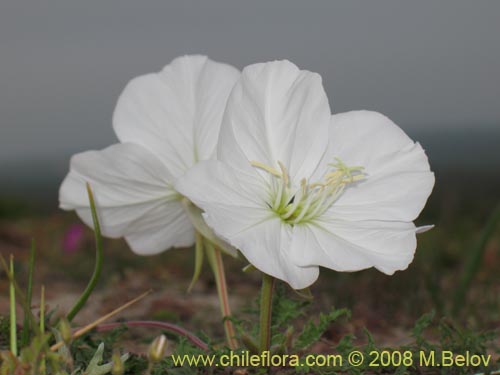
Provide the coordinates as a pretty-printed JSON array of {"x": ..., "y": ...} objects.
[
  {"x": 154, "y": 324},
  {"x": 215, "y": 259},
  {"x": 266, "y": 306}
]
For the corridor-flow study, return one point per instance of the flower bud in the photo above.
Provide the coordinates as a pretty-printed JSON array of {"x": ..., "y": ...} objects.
[
  {"x": 65, "y": 331},
  {"x": 118, "y": 367},
  {"x": 157, "y": 348}
]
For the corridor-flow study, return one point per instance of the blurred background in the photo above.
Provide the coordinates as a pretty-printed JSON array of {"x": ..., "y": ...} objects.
[{"x": 431, "y": 66}]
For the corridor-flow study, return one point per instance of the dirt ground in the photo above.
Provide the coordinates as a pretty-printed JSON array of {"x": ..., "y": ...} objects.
[{"x": 387, "y": 305}]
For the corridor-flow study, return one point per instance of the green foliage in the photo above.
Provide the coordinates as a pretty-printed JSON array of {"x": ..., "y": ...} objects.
[
  {"x": 36, "y": 355},
  {"x": 85, "y": 346},
  {"x": 450, "y": 338},
  {"x": 286, "y": 309},
  {"x": 293, "y": 328},
  {"x": 38, "y": 358},
  {"x": 312, "y": 331},
  {"x": 419, "y": 329},
  {"x": 91, "y": 354},
  {"x": 96, "y": 368},
  {"x": 4, "y": 332}
]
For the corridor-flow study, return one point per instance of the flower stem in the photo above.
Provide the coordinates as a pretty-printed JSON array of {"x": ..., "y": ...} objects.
[
  {"x": 215, "y": 259},
  {"x": 266, "y": 306}
]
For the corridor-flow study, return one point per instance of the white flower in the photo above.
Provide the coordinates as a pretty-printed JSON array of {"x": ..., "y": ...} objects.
[
  {"x": 295, "y": 188},
  {"x": 166, "y": 122}
]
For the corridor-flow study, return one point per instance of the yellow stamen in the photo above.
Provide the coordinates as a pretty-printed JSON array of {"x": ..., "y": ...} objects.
[
  {"x": 284, "y": 173},
  {"x": 294, "y": 205},
  {"x": 266, "y": 168},
  {"x": 303, "y": 185},
  {"x": 317, "y": 184}
]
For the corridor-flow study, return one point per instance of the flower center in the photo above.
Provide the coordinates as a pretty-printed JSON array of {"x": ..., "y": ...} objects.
[{"x": 294, "y": 204}]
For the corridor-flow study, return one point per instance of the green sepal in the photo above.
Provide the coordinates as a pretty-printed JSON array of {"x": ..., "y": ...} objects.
[
  {"x": 194, "y": 214},
  {"x": 304, "y": 293},
  {"x": 249, "y": 268},
  {"x": 198, "y": 261}
]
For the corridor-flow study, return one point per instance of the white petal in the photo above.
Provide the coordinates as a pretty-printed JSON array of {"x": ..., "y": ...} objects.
[
  {"x": 268, "y": 247},
  {"x": 176, "y": 113},
  {"x": 165, "y": 226},
  {"x": 399, "y": 179},
  {"x": 235, "y": 209},
  {"x": 353, "y": 246},
  {"x": 133, "y": 195},
  {"x": 276, "y": 112},
  {"x": 234, "y": 198}
]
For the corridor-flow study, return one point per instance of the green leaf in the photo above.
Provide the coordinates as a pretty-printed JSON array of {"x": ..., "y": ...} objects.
[{"x": 95, "y": 368}]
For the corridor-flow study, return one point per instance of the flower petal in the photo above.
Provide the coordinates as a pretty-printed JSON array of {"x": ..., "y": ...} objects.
[
  {"x": 133, "y": 194},
  {"x": 176, "y": 113},
  {"x": 164, "y": 226},
  {"x": 399, "y": 179},
  {"x": 235, "y": 209},
  {"x": 276, "y": 112},
  {"x": 268, "y": 247},
  {"x": 231, "y": 196},
  {"x": 353, "y": 246}
]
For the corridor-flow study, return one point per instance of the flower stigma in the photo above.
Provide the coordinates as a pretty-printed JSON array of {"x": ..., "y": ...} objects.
[{"x": 300, "y": 204}]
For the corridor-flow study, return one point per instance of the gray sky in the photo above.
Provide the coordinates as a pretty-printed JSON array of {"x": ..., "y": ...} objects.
[{"x": 426, "y": 64}]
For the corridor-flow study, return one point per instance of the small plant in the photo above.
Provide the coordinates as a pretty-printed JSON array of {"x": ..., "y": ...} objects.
[{"x": 47, "y": 349}]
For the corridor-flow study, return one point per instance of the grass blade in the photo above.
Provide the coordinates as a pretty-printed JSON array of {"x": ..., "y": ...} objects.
[
  {"x": 43, "y": 365},
  {"x": 21, "y": 297},
  {"x": 98, "y": 264},
  {"x": 25, "y": 336},
  {"x": 13, "y": 324},
  {"x": 102, "y": 319}
]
